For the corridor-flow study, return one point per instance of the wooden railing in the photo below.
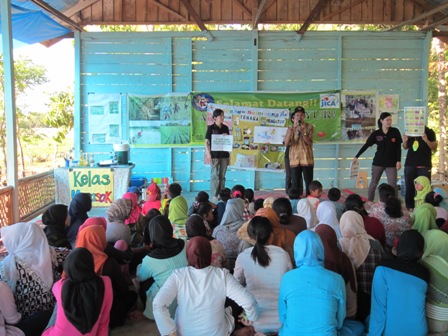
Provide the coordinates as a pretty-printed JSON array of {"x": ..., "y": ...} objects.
[{"x": 36, "y": 193}]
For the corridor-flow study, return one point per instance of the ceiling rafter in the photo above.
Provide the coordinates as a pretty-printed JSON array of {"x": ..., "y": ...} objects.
[
  {"x": 260, "y": 12},
  {"x": 167, "y": 9},
  {"x": 244, "y": 8},
  {"x": 435, "y": 24},
  {"x": 343, "y": 9},
  {"x": 58, "y": 14},
  {"x": 424, "y": 6},
  {"x": 421, "y": 17},
  {"x": 82, "y": 4},
  {"x": 316, "y": 10},
  {"x": 196, "y": 18}
]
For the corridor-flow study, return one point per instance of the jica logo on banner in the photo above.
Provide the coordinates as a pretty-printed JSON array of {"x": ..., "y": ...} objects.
[{"x": 329, "y": 100}]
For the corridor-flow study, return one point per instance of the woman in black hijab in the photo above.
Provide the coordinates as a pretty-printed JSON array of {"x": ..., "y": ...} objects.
[
  {"x": 56, "y": 219},
  {"x": 79, "y": 206},
  {"x": 399, "y": 290},
  {"x": 166, "y": 255},
  {"x": 84, "y": 299}
]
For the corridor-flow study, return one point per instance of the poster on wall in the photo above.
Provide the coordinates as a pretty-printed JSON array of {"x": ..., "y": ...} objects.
[
  {"x": 414, "y": 120},
  {"x": 390, "y": 103},
  {"x": 104, "y": 117},
  {"x": 323, "y": 109},
  {"x": 159, "y": 119},
  {"x": 359, "y": 114},
  {"x": 97, "y": 182}
]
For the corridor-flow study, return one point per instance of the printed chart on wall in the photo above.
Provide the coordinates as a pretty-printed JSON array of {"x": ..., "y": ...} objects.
[
  {"x": 414, "y": 120},
  {"x": 390, "y": 103},
  {"x": 259, "y": 121},
  {"x": 360, "y": 110},
  {"x": 104, "y": 117},
  {"x": 159, "y": 119}
]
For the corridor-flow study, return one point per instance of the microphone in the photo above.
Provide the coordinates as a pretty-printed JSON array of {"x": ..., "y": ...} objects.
[{"x": 298, "y": 130}]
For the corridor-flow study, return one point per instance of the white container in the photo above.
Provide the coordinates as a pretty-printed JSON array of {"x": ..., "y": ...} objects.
[{"x": 122, "y": 153}]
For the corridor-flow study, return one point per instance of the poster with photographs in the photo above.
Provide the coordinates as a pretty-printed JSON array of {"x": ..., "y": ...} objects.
[
  {"x": 359, "y": 114},
  {"x": 104, "y": 118},
  {"x": 159, "y": 119}
]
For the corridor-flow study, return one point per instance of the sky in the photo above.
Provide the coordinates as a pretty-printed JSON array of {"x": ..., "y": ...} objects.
[{"x": 59, "y": 62}]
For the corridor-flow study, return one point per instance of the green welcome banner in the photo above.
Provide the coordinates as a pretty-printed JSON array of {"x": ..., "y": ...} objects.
[
  {"x": 323, "y": 109},
  {"x": 258, "y": 122}
]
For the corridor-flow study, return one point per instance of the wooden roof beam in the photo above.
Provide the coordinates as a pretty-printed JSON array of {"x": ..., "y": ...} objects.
[
  {"x": 343, "y": 9},
  {"x": 421, "y": 17},
  {"x": 316, "y": 10},
  {"x": 167, "y": 9},
  {"x": 260, "y": 11},
  {"x": 197, "y": 19},
  {"x": 58, "y": 14},
  {"x": 435, "y": 24},
  {"x": 425, "y": 7},
  {"x": 243, "y": 8},
  {"x": 82, "y": 4}
]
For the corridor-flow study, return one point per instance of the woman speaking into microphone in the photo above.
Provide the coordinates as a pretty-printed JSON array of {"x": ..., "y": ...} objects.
[{"x": 299, "y": 139}]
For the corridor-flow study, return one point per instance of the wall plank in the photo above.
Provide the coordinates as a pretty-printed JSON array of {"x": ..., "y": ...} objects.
[{"x": 183, "y": 62}]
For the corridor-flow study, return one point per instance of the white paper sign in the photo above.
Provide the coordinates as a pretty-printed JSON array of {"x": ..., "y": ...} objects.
[
  {"x": 354, "y": 169},
  {"x": 414, "y": 120},
  {"x": 222, "y": 142}
]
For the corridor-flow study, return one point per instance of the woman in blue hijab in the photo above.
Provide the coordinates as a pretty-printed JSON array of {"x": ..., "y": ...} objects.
[{"x": 312, "y": 299}]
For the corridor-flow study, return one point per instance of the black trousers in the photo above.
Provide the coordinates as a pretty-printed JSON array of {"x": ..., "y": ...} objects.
[{"x": 296, "y": 178}]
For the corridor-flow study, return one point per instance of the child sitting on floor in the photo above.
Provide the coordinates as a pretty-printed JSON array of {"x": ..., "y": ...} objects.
[
  {"x": 315, "y": 194},
  {"x": 334, "y": 195}
]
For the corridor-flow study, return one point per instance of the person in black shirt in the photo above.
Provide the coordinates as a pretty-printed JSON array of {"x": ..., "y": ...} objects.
[
  {"x": 418, "y": 161},
  {"x": 388, "y": 153},
  {"x": 219, "y": 160}
]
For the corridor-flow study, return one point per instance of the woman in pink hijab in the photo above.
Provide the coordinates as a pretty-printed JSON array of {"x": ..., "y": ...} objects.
[{"x": 135, "y": 221}]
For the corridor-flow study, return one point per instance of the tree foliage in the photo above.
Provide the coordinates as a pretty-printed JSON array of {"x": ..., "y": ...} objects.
[{"x": 60, "y": 114}]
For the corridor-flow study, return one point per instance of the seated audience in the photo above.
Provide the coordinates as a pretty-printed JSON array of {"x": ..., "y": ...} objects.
[
  {"x": 224, "y": 196},
  {"x": 117, "y": 214},
  {"x": 399, "y": 290},
  {"x": 334, "y": 195},
  {"x": 195, "y": 227},
  {"x": 260, "y": 269},
  {"x": 424, "y": 218},
  {"x": 338, "y": 262},
  {"x": 93, "y": 238},
  {"x": 391, "y": 214},
  {"x": 79, "y": 206},
  {"x": 294, "y": 196},
  {"x": 282, "y": 207},
  {"x": 29, "y": 269},
  {"x": 238, "y": 191},
  {"x": 136, "y": 220},
  {"x": 435, "y": 259},
  {"x": 326, "y": 214},
  {"x": 365, "y": 253},
  {"x": 312, "y": 299},
  {"x": 177, "y": 210},
  {"x": 442, "y": 192},
  {"x": 315, "y": 194},
  {"x": 226, "y": 231},
  {"x": 306, "y": 211},
  {"x": 84, "y": 299},
  {"x": 9, "y": 316},
  {"x": 206, "y": 211},
  {"x": 435, "y": 199},
  {"x": 166, "y": 255},
  {"x": 202, "y": 289},
  {"x": 249, "y": 199},
  {"x": 56, "y": 220},
  {"x": 153, "y": 198},
  {"x": 372, "y": 225},
  {"x": 422, "y": 187}
]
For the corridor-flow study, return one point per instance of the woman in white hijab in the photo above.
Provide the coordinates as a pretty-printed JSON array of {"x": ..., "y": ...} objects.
[
  {"x": 226, "y": 231},
  {"x": 326, "y": 214},
  {"x": 365, "y": 253},
  {"x": 306, "y": 210},
  {"x": 30, "y": 268}
]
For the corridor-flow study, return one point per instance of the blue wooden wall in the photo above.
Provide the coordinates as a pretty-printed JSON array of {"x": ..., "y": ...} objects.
[{"x": 247, "y": 61}]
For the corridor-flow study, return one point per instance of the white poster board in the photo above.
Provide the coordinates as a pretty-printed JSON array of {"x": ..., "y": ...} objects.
[
  {"x": 222, "y": 142},
  {"x": 104, "y": 115}
]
